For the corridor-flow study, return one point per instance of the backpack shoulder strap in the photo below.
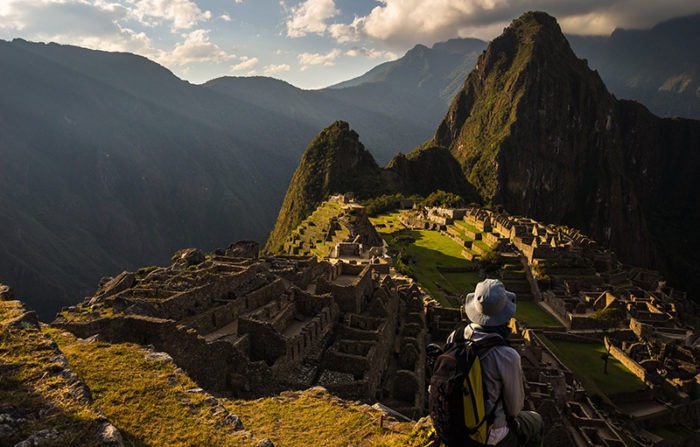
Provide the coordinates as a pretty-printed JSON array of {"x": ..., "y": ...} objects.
[
  {"x": 459, "y": 333},
  {"x": 487, "y": 343}
]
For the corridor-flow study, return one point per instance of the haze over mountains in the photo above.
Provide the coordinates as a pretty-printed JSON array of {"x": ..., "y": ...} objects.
[{"x": 110, "y": 162}]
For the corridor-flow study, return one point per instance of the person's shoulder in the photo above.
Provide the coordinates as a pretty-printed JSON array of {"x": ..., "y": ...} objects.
[{"x": 507, "y": 353}]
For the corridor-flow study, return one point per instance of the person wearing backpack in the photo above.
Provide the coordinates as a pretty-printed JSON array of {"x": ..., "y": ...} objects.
[{"x": 476, "y": 393}]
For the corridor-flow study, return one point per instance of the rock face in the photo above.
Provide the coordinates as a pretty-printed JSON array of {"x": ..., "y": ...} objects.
[
  {"x": 536, "y": 131},
  {"x": 428, "y": 169}
]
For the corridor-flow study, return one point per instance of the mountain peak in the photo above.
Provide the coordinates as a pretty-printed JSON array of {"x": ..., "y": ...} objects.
[
  {"x": 529, "y": 73},
  {"x": 334, "y": 162}
]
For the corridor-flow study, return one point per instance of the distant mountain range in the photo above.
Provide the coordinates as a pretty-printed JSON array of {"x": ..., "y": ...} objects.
[
  {"x": 110, "y": 162},
  {"x": 659, "y": 67}
]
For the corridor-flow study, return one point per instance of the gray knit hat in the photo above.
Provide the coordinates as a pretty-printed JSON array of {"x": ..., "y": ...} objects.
[{"x": 490, "y": 304}]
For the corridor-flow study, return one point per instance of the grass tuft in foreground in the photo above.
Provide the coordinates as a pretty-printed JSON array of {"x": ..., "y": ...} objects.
[
  {"x": 41, "y": 401},
  {"x": 147, "y": 397},
  {"x": 315, "y": 417},
  {"x": 154, "y": 403}
]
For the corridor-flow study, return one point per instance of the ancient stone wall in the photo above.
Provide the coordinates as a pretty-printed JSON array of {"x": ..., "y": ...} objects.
[
  {"x": 217, "y": 366},
  {"x": 634, "y": 367}
]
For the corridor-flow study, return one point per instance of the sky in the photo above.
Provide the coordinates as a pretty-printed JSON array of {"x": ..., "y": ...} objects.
[{"x": 308, "y": 43}]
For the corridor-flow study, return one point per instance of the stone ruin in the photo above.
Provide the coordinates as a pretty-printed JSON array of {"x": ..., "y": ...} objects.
[
  {"x": 338, "y": 228},
  {"x": 250, "y": 326}
]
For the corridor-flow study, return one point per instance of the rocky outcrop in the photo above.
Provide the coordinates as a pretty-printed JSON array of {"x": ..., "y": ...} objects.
[
  {"x": 40, "y": 388},
  {"x": 535, "y": 130},
  {"x": 243, "y": 249}
]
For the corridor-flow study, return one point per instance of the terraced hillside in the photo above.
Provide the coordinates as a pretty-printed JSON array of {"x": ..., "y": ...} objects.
[{"x": 333, "y": 222}]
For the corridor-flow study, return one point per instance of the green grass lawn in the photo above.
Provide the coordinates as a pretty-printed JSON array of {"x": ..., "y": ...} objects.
[
  {"x": 469, "y": 227},
  {"x": 532, "y": 314},
  {"x": 430, "y": 250},
  {"x": 584, "y": 360},
  {"x": 461, "y": 283},
  {"x": 433, "y": 249}
]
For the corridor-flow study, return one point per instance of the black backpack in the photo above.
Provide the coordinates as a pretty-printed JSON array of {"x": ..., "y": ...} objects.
[{"x": 457, "y": 393}]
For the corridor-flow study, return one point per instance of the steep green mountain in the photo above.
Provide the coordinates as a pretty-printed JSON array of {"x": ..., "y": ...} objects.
[
  {"x": 659, "y": 67},
  {"x": 334, "y": 162},
  {"x": 537, "y": 131}
]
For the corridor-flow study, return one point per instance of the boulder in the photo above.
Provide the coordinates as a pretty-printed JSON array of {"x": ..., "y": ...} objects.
[
  {"x": 187, "y": 257},
  {"x": 109, "y": 436},
  {"x": 119, "y": 283},
  {"x": 26, "y": 319},
  {"x": 234, "y": 421},
  {"x": 6, "y": 293},
  {"x": 243, "y": 249}
]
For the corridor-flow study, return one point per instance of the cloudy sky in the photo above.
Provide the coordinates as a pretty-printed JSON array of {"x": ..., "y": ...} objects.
[{"x": 309, "y": 43}]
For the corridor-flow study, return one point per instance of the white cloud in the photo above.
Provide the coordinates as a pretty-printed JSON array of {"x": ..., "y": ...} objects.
[
  {"x": 343, "y": 33},
  {"x": 413, "y": 21},
  {"x": 403, "y": 23},
  {"x": 273, "y": 69},
  {"x": 88, "y": 23},
  {"x": 371, "y": 53},
  {"x": 306, "y": 59},
  {"x": 225, "y": 17},
  {"x": 310, "y": 17},
  {"x": 246, "y": 64},
  {"x": 181, "y": 14},
  {"x": 195, "y": 48}
]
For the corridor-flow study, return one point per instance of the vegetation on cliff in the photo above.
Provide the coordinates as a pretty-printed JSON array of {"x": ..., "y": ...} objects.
[
  {"x": 427, "y": 169},
  {"x": 334, "y": 162}
]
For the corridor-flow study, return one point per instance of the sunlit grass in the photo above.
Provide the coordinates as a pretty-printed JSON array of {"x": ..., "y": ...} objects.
[
  {"x": 585, "y": 361},
  {"x": 314, "y": 418},
  {"x": 147, "y": 400},
  {"x": 432, "y": 250},
  {"x": 387, "y": 223},
  {"x": 33, "y": 383},
  {"x": 533, "y": 315},
  {"x": 150, "y": 403}
]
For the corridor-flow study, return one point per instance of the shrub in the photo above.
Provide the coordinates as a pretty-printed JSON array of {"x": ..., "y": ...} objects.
[
  {"x": 443, "y": 199},
  {"x": 382, "y": 204}
]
